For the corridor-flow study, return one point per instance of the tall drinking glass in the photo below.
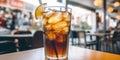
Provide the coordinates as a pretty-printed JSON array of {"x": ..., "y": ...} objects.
[{"x": 56, "y": 24}]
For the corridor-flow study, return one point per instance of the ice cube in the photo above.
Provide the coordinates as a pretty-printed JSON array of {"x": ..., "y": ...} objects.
[
  {"x": 60, "y": 25},
  {"x": 44, "y": 22},
  {"x": 50, "y": 35},
  {"x": 61, "y": 28},
  {"x": 65, "y": 30},
  {"x": 48, "y": 27},
  {"x": 55, "y": 18},
  {"x": 66, "y": 16},
  {"x": 50, "y": 13}
]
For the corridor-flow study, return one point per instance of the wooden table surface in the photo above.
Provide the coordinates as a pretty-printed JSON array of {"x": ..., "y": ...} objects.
[{"x": 75, "y": 53}]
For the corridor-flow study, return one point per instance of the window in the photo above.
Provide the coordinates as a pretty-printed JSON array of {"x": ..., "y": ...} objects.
[{"x": 59, "y": 1}]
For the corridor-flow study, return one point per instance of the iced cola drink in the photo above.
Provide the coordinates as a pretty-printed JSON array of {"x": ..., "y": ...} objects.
[{"x": 56, "y": 25}]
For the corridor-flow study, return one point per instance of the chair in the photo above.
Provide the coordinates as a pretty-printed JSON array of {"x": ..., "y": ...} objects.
[
  {"x": 108, "y": 43},
  {"x": 74, "y": 36},
  {"x": 83, "y": 40},
  {"x": 116, "y": 40},
  {"x": 23, "y": 43},
  {"x": 37, "y": 41}
]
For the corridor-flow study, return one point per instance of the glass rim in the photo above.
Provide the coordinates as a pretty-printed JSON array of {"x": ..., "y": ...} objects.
[{"x": 68, "y": 8}]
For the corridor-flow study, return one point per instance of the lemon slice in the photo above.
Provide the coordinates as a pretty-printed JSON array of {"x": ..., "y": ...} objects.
[{"x": 39, "y": 11}]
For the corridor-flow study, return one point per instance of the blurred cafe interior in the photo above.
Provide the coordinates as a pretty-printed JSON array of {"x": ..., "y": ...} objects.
[{"x": 95, "y": 25}]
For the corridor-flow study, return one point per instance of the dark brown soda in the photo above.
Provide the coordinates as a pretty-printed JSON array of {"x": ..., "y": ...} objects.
[{"x": 60, "y": 45}]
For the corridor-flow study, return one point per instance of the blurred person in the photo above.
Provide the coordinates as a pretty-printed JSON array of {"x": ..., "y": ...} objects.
[
  {"x": 2, "y": 20},
  {"x": 31, "y": 16},
  {"x": 99, "y": 24},
  {"x": 8, "y": 19},
  {"x": 116, "y": 34},
  {"x": 118, "y": 24},
  {"x": 14, "y": 17},
  {"x": 73, "y": 23},
  {"x": 24, "y": 22},
  {"x": 31, "y": 22},
  {"x": 31, "y": 19}
]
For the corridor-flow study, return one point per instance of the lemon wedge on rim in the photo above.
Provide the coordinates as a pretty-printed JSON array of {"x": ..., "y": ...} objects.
[{"x": 39, "y": 10}]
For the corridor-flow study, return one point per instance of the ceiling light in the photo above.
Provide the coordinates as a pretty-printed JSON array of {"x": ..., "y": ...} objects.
[
  {"x": 98, "y": 2},
  {"x": 110, "y": 9},
  {"x": 117, "y": 3}
]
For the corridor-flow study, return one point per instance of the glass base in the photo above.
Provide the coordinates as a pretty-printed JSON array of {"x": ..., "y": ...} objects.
[{"x": 61, "y": 58}]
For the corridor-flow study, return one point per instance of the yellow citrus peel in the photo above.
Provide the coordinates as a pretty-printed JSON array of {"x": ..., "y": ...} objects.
[{"x": 39, "y": 11}]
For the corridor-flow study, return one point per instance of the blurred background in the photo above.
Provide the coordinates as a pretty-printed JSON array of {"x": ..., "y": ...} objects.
[
  {"x": 19, "y": 13},
  {"x": 87, "y": 15}
]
